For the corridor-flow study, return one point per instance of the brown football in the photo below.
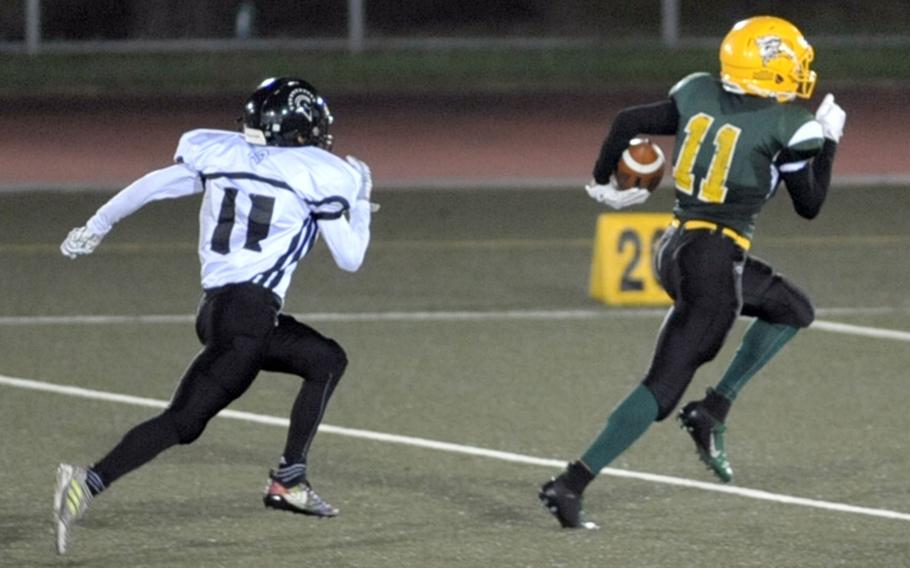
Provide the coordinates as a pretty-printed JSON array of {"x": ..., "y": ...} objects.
[{"x": 641, "y": 165}]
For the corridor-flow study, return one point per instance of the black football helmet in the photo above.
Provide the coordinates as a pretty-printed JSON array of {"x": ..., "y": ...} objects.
[{"x": 287, "y": 112}]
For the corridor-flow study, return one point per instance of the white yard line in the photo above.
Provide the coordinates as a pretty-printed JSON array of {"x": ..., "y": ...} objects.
[
  {"x": 863, "y": 331},
  {"x": 492, "y": 315},
  {"x": 463, "y": 449}
]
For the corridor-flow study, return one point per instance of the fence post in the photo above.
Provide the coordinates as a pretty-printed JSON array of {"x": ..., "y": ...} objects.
[
  {"x": 32, "y": 26},
  {"x": 669, "y": 22},
  {"x": 356, "y": 27}
]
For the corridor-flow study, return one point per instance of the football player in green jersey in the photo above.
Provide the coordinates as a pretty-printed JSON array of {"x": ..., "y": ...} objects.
[{"x": 736, "y": 140}]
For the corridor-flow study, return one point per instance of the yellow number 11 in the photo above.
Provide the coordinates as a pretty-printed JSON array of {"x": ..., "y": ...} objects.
[{"x": 713, "y": 188}]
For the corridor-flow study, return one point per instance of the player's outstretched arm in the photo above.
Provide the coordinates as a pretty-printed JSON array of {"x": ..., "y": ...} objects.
[{"x": 174, "y": 181}]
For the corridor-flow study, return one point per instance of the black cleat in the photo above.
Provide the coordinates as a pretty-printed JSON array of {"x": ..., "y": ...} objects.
[
  {"x": 564, "y": 504},
  {"x": 708, "y": 434}
]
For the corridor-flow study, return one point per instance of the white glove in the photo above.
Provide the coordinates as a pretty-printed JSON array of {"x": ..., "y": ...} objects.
[
  {"x": 80, "y": 241},
  {"x": 832, "y": 118},
  {"x": 609, "y": 194}
]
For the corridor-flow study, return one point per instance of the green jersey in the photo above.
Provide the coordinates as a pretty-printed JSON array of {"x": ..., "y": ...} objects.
[{"x": 726, "y": 146}]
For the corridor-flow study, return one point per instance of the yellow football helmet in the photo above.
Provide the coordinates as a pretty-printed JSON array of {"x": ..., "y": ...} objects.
[{"x": 768, "y": 57}]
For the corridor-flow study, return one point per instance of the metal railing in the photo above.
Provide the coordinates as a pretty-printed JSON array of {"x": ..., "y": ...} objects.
[
  {"x": 358, "y": 38},
  {"x": 355, "y": 42}
]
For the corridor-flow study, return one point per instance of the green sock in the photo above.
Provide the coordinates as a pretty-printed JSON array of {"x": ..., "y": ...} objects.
[
  {"x": 760, "y": 343},
  {"x": 626, "y": 423}
]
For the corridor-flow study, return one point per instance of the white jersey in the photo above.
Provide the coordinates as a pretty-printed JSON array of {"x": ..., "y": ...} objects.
[{"x": 263, "y": 206}]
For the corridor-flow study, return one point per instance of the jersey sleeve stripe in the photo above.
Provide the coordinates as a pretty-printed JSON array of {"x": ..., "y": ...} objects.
[
  {"x": 793, "y": 166},
  {"x": 329, "y": 208},
  {"x": 811, "y": 130}
]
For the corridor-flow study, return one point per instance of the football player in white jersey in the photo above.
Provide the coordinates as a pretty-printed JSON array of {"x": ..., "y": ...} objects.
[{"x": 268, "y": 194}]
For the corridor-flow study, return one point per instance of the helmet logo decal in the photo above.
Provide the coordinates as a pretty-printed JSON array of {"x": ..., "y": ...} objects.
[
  {"x": 301, "y": 100},
  {"x": 771, "y": 47}
]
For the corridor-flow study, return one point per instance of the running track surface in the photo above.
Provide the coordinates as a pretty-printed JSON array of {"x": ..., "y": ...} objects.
[{"x": 410, "y": 139}]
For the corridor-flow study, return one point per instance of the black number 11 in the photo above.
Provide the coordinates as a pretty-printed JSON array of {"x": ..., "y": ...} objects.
[{"x": 257, "y": 228}]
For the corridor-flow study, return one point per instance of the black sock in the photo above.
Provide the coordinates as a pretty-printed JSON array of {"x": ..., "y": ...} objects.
[
  {"x": 94, "y": 481},
  {"x": 291, "y": 474},
  {"x": 717, "y": 405},
  {"x": 577, "y": 477}
]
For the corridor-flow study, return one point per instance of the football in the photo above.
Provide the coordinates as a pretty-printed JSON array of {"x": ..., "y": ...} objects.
[{"x": 641, "y": 165}]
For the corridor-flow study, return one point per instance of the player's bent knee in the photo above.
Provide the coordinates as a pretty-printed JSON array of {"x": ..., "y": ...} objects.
[
  {"x": 341, "y": 359},
  {"x": 188, "y": 426},
  {"x": 666, "y": 395},
  {"x": 799, "y": 311},
  {"x": 336, "y": 361},
  {"x": 189, "y": 431},
  {"x": 782, "y": 302},
  {"x": 804, "y": 314},
  {"x": 324, "y": 365}
]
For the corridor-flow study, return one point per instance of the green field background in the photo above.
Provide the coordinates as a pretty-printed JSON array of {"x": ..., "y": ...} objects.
[
  {"x": 826, "y": 420},
  {"x": 450, "y": 71}
]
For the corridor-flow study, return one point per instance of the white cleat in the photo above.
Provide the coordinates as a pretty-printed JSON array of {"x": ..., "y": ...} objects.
[{"x": 71, "y": 499}]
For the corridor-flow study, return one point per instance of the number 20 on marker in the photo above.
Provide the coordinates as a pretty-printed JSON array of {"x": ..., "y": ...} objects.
[{"x": 621, "y": 267}]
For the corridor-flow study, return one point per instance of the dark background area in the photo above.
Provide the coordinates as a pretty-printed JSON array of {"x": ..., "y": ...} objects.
[{"x": 166, "y": 19}]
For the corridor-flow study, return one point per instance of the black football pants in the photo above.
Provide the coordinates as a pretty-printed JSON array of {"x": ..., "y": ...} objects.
[
  {"x": 712, "y": 281},
  {"x": 242, "y": 332}
]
